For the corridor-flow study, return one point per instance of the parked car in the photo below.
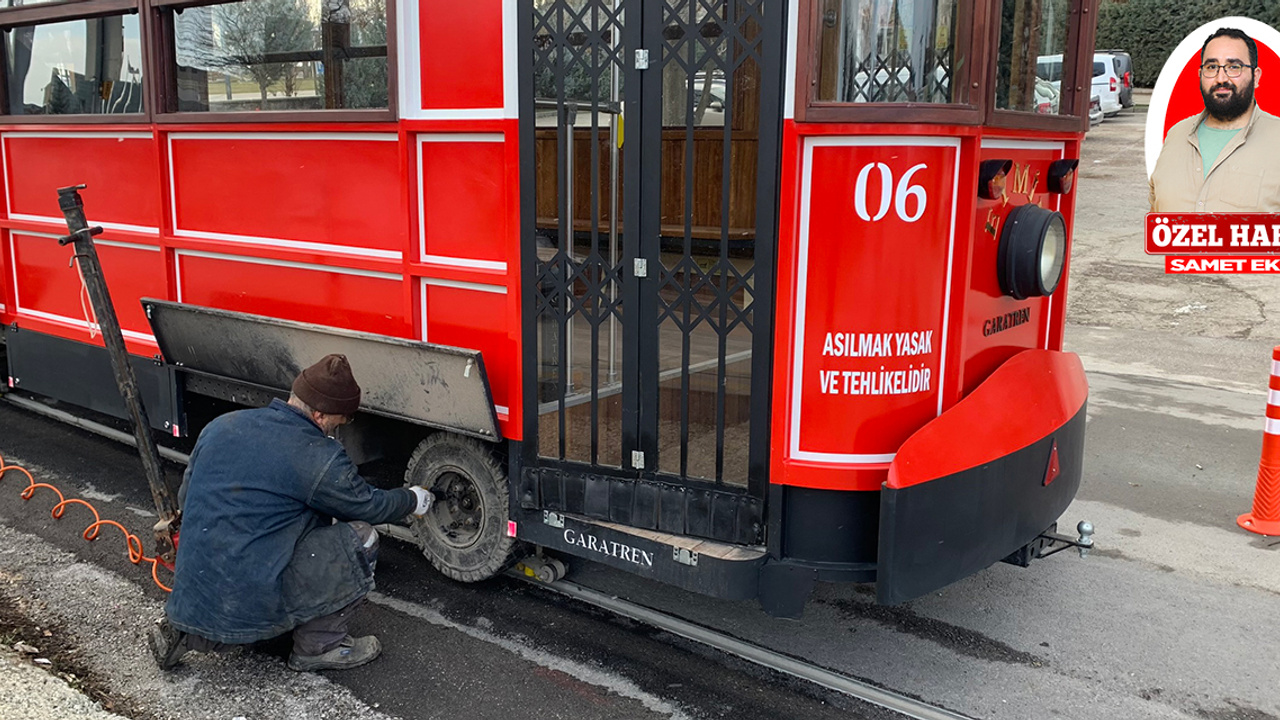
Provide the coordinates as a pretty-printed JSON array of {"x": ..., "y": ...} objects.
[
  {"x": 1095, "y": 111},
  {"x": 1107, "y": 82},
  {"x": 1124, "y": 66}
]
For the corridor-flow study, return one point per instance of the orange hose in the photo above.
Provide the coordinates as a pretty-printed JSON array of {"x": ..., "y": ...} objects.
[{"x": 132, "y": 544}]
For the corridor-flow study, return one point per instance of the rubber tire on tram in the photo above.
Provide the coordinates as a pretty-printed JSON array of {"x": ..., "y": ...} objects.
[{"x": 464, "y": 535}]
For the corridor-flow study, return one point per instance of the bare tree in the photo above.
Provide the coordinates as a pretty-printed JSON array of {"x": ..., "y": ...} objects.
[{"x": 256, "y": 33}]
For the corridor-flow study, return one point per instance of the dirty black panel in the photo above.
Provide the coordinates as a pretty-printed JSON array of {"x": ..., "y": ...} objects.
[
  {"x": 81, "y": 374},
  {"x": 432, "y": 385},
  {"x": 596, "y": 497},
  {"x": 621, "y": 498},
  {"x": 644, "y": 510},
  {"x": 671, "y": 510},
  {"x": 698, "y": 513}
]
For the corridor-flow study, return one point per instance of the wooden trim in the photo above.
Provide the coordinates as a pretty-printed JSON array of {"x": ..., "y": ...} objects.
[
  {"x": 1014, "y": 119},
  {"x": 276, "y": 116},
  {"x": 964, "y": 112},
  {"x": 150, "y": 74},
  {"x": 914, "y": 113},
  {"x": 1073, "y": 103},
  {"x": 59, "y": 12},
  {"x": 60, "y": 120},
  {"x": 393, "y": 67},
  {"x": 163, "y": 84}
]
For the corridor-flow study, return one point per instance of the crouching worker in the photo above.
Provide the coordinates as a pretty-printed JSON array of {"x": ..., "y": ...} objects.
[{"x": 260, "y": 553}]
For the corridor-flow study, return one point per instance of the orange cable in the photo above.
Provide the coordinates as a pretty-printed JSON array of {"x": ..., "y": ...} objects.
[{"x": 132, "y": 543}]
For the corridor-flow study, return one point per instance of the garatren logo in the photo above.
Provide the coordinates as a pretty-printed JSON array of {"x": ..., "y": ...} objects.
[
  {"x": 1000, "y": 323},
  {"x": 609, "y": 547}
]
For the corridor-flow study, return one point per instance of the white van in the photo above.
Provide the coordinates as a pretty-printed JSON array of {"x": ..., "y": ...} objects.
[{"x": 1107, "y": 82}]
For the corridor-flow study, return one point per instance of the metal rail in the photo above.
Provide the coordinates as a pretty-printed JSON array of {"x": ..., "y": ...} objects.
[
  {"x": 752, "y": 653},
  {"x": 763, "y": 657},
  {"x": 766, "y": 658}
]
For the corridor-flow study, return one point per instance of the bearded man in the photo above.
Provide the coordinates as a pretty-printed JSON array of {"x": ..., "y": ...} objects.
[{"x": 1224, "y": 159}]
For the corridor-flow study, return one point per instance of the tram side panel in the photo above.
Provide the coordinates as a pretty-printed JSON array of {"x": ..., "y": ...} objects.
[
  {"x": 55, "y": 349},
  {"x": 465, "y": 257}
]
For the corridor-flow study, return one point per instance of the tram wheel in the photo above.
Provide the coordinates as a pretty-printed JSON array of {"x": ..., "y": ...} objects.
[{"x": 464, "y": 535}]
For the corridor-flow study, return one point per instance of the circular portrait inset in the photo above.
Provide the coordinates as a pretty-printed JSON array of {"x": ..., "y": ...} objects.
[{"x": 1212, "y": 129}]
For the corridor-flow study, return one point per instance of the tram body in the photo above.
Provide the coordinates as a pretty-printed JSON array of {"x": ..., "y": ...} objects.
[{"x": 737, "y": 296}]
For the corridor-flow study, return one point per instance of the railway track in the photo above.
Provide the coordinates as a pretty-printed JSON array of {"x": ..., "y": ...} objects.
[{"x": 906, "y": 706}]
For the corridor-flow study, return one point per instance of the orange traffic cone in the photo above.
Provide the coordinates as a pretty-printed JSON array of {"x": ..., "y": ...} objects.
[{"x": 1265, "y": 518}]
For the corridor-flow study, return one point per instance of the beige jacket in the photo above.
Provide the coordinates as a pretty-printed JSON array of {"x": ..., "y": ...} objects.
[{"x": 1242, "y": 179}]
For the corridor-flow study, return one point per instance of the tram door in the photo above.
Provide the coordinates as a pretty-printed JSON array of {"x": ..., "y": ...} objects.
[{"x": 654, "y": 175}]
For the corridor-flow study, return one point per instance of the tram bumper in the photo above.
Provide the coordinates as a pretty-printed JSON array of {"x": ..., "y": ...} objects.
[{"x": 985, "y": 478}]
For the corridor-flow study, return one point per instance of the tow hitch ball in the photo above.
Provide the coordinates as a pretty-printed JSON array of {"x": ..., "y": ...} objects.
[{"x": 1050, "y": 542}]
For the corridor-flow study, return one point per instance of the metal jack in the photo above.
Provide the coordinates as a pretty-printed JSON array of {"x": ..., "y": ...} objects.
[{"x": 162, "y": 493}]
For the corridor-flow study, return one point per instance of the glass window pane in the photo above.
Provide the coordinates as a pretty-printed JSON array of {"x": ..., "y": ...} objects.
[
  {"x": 887, "y": 51},
  {"x": 78, "y": 67},
  {"x": 282, "y": 55},
  {"x": 1033, "y": 50}
]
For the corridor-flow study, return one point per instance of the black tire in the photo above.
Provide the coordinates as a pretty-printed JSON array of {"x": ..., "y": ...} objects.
[{"x": 465, "y": 533}]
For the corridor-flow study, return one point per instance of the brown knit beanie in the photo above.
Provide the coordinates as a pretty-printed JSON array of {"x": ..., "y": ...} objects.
[{"x": 329, "y": 386}]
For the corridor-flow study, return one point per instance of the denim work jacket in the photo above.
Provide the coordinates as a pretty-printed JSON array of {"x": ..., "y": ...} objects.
[{"x": 258, "y": 553}]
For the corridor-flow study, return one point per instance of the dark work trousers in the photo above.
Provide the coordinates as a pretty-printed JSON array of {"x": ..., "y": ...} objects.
[
  {"x": 323, "y": 634},
  {"x": 326, "y": 632}
]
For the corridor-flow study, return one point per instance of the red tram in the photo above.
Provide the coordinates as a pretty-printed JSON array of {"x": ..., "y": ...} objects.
[{"x": 734, "y": 294}]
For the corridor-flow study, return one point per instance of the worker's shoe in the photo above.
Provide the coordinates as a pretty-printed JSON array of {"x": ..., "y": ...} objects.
[
  {"x": 351, "y": 652},
  {"x": 167, "y": 645}
]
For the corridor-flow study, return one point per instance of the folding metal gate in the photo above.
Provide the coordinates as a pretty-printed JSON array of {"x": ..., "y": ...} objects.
[{"x": 650, "y": 162}]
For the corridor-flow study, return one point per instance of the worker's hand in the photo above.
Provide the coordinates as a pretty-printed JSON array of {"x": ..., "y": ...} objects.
[{"x": 425, "y": 500}]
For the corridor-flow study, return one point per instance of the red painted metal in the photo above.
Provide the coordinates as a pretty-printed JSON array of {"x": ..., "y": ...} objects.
[
  {"x": 116, "y": 166},
  {"x": 331, "y": 189},
  {"x": 462, "y": 51},
  {"x": 1022, "y": 402}
]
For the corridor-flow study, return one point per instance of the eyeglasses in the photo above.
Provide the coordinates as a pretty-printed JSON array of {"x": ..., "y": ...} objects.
[{"x": 1210, "y": 69}]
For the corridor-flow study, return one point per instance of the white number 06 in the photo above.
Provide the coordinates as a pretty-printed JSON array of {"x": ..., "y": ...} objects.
[{"x": 904, "y": 191}]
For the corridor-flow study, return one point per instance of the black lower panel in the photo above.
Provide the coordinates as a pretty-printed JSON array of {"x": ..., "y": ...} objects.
[
  {"x": 724, "y": 515},
  {"x": 938, "y": 532},
  {"x": 81, "y": 374},
  {"x": 830, "y": 526}
]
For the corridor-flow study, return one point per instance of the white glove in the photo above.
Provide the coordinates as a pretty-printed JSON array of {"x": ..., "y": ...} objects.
[{"x": 425, "y": 500}]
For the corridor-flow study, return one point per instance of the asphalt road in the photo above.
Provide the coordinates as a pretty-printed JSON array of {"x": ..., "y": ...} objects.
[{"x": 1173, "y": 616}]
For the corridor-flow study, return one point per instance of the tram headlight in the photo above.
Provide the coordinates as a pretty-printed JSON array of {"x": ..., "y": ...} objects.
[{"x": 1032, "y": 252}]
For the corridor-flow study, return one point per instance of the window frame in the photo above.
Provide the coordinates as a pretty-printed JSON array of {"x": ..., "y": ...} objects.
[
  {"x": 970, "y": 31},
  {"x": 1074, "y": 97},
  {"x": 159, "y": 66},
  {"x": 58, "y": 12},
  {"x": 166, "y": 88}
]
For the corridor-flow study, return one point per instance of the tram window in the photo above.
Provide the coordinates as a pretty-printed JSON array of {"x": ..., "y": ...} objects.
[
  {"x": 1033, "y": 50},
  {"x": 290, "y": 55},
  {"x": 888, "y": 51},
  {"x": 76, "y": 67}
]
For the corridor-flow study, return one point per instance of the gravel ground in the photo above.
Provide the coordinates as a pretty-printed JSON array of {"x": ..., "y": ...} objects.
[
  {"x": 105, "y": 619},
  {"x": 28, "y": 692}
]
